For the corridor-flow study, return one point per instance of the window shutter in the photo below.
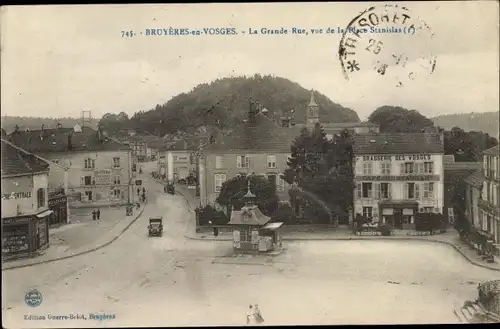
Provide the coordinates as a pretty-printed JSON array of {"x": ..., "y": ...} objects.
[
  {"x": 421, "y": 168},
  {"x": 405, "y": 190},
  {"x": 82, "y": 180},
  {"x": 415, "y": 167},
  {"x": 359, "y": 169},
  {"x": 417, "y": 191},
  {"x": 247, "y": 161},
  {"x": 238, "y": 161},
  {"x": 359, "y": 190},
  {"x": 389, "y": 190},
  {"x": 376, "y": 187},
  {"x": 402, "y": 168}
]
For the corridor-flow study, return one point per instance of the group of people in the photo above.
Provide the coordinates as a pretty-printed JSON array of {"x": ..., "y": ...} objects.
[
  {"x": 254, "y": 316},
  {"x": 96, "y": 214}
]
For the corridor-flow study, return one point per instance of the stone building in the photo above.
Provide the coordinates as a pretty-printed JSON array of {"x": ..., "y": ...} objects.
[
  {"x": 398, "y": 175},
  {"x": 99, "y": 171}
]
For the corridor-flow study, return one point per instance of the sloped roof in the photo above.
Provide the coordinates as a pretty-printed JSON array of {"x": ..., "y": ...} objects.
[
  {"x": 476, "y": 179},
  {"x": 261, "y": 135},
  {"x": 57, "y": 140},
  {"x": 16, "y": 162},
  {"x": 249, "y": 216},
  {"x": 495, "y": 150},
  {"x": 462, "y": 166},
  {"x": 398, "y": 143},
  {"x": 337, "y": 125},
  {"x": 178, "y": 145},
  {"x": 448, "y": 158}
]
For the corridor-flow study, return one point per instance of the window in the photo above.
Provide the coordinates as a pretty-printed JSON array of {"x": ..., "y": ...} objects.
[
  {"x": 280, "y": 185},
  {"x": 271, "y": 161},
  {"x": 116, "y": 193},
  {"x": 411, "y": 191},
  {"x": 88, "y": 194},
  {"x": 409, "y": 168},
  {"x": 367, "y": 190},
  {"x": 40, "y": 197},
  {"x": 88, "y": 180},
  {"x": 116, "y": 162},
  {"x": 368, "y": 212},
  {"x": 219, "y": 162},
  {"x": 219, "y": 180},
  {"x": 175, "y": 157},
  {"x": 245, "y": 235},
  {"x": 429, "y": 190},
  {"x": 428, "y": 167},
  {"x": 242, "y": 161},
  {"x": 428, "y": 210},
  {"x": 385, "y": 168},
  {"x": 89, "y": 163},
  {"x": 367, "y": 168},
  {"x": 56, "y": 161},
  {"x": 18, "y": 210},
  {"x": 117, "y": 180},
  {"x": 385, "y": 190}
]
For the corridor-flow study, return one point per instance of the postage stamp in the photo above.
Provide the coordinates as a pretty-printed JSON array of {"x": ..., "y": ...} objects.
[{"x": 389, "y": 41}]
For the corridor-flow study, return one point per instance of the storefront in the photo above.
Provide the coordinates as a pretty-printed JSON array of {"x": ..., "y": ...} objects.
[
  {"x": 25, "y": 235},
  {"x": 399, "y": 214},
  {"x": 58, "y": 203}
]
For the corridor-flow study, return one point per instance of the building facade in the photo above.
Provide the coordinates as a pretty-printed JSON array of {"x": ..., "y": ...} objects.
[
  {"x": 99, "y": 171},
  {"x": 25, "y": 209},
  {"x": 258, "y": 147},
  {"x": 397, "y": 176},
  {"x": 489, "y": 202}
]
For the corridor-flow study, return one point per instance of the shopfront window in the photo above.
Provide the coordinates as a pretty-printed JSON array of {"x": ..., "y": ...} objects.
[
  {"x": 40, "y": 197},
  {"x": 245, "y": 235}
]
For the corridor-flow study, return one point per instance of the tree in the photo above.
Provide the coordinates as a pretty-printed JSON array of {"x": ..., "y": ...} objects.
[
  {"x": 322, "y": 168},
  {"x": 398, "y": 119},
  {"x": 233, "y": 191}
]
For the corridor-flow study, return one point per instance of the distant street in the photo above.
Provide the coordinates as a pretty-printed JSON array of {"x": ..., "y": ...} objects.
[{"x": 172, "y": 281}]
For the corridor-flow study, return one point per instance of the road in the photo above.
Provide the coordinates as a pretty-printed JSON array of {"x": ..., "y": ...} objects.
[{"x": 172, "y": 281}]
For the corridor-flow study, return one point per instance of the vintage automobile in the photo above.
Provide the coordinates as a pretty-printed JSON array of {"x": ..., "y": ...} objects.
[
  {"x": 155, "y": 226},
  {"x": 170, "y": 188}
]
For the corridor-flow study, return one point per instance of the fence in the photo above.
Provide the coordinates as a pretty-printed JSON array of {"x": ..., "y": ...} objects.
[{"x": 489, "y": 296}]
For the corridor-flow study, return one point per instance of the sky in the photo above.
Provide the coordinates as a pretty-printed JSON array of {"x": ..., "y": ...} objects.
[{"x": 59, "y": 60}]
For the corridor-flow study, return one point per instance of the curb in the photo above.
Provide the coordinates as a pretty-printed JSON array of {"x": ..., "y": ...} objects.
[
  {"x": 379, "y": 238},
  {"x": 81, "y": 252},
  {"x": 352, "y": 238}
]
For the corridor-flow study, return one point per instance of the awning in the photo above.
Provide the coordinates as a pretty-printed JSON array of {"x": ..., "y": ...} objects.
[
  {"x": 272, "y": 226},
  {"x": 44, "y": 214}
]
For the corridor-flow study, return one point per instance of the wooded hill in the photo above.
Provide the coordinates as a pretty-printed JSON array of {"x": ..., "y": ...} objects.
[
  {"x": 224, "y": 103},
  {"x": 486, "y": 122},
  {"x": 9, "y": 122}
]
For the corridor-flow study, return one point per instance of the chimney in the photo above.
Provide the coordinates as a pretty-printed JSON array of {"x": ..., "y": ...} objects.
[
  {"x": 43, "y": 127},
  {"x": 59, "y": 125},
  {"x": 16, "y": 129}
]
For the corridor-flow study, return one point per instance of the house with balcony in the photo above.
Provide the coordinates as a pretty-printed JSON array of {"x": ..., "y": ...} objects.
[
  {"x": 99, "y": 168},
  {"x": 25, "y": 208},
  {"x": 483, "y": 198},
  {"x": 398, "y": 175},
  {"x": 258, "y": 146}
]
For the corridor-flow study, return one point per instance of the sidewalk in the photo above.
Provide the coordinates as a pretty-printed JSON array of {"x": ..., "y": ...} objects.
[
  {"x": 449, "y": 238},
  {"x": 82, "y": 236}
]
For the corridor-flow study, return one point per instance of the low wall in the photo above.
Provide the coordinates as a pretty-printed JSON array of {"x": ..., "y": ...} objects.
[{"x": 284, "y": 228}]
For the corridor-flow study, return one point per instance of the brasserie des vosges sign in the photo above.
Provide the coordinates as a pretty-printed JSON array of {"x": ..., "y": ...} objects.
[{"x": 412, "y": 157}]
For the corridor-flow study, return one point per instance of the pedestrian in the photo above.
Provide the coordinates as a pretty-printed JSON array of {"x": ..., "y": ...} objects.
[
  {"x": 94, "y": 214},
  {"x": 251, "y": 316},
  {"x": 98, "y": 214},
  {"x": 258, "y": 315},
  {"x": 143, "y": 190},
  {"x": 138, "y": 191}
]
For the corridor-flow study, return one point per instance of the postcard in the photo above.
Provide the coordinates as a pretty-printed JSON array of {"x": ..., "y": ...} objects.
[{"x": 250, "y": 164}]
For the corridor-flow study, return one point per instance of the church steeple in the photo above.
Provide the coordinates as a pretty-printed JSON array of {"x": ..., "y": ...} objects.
[{"x": 312, "y": 115}]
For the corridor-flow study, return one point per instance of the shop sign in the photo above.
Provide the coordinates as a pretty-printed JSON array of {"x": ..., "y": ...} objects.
[
  {"x": 16, "y": 195},
  {"x": 15, "y": 220},
  {"x": 399, "y": 178},
  {"x": 102, "y": 176},
  {"x": 411, "y": 157},
  {"x": 56, "y": 201}
]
